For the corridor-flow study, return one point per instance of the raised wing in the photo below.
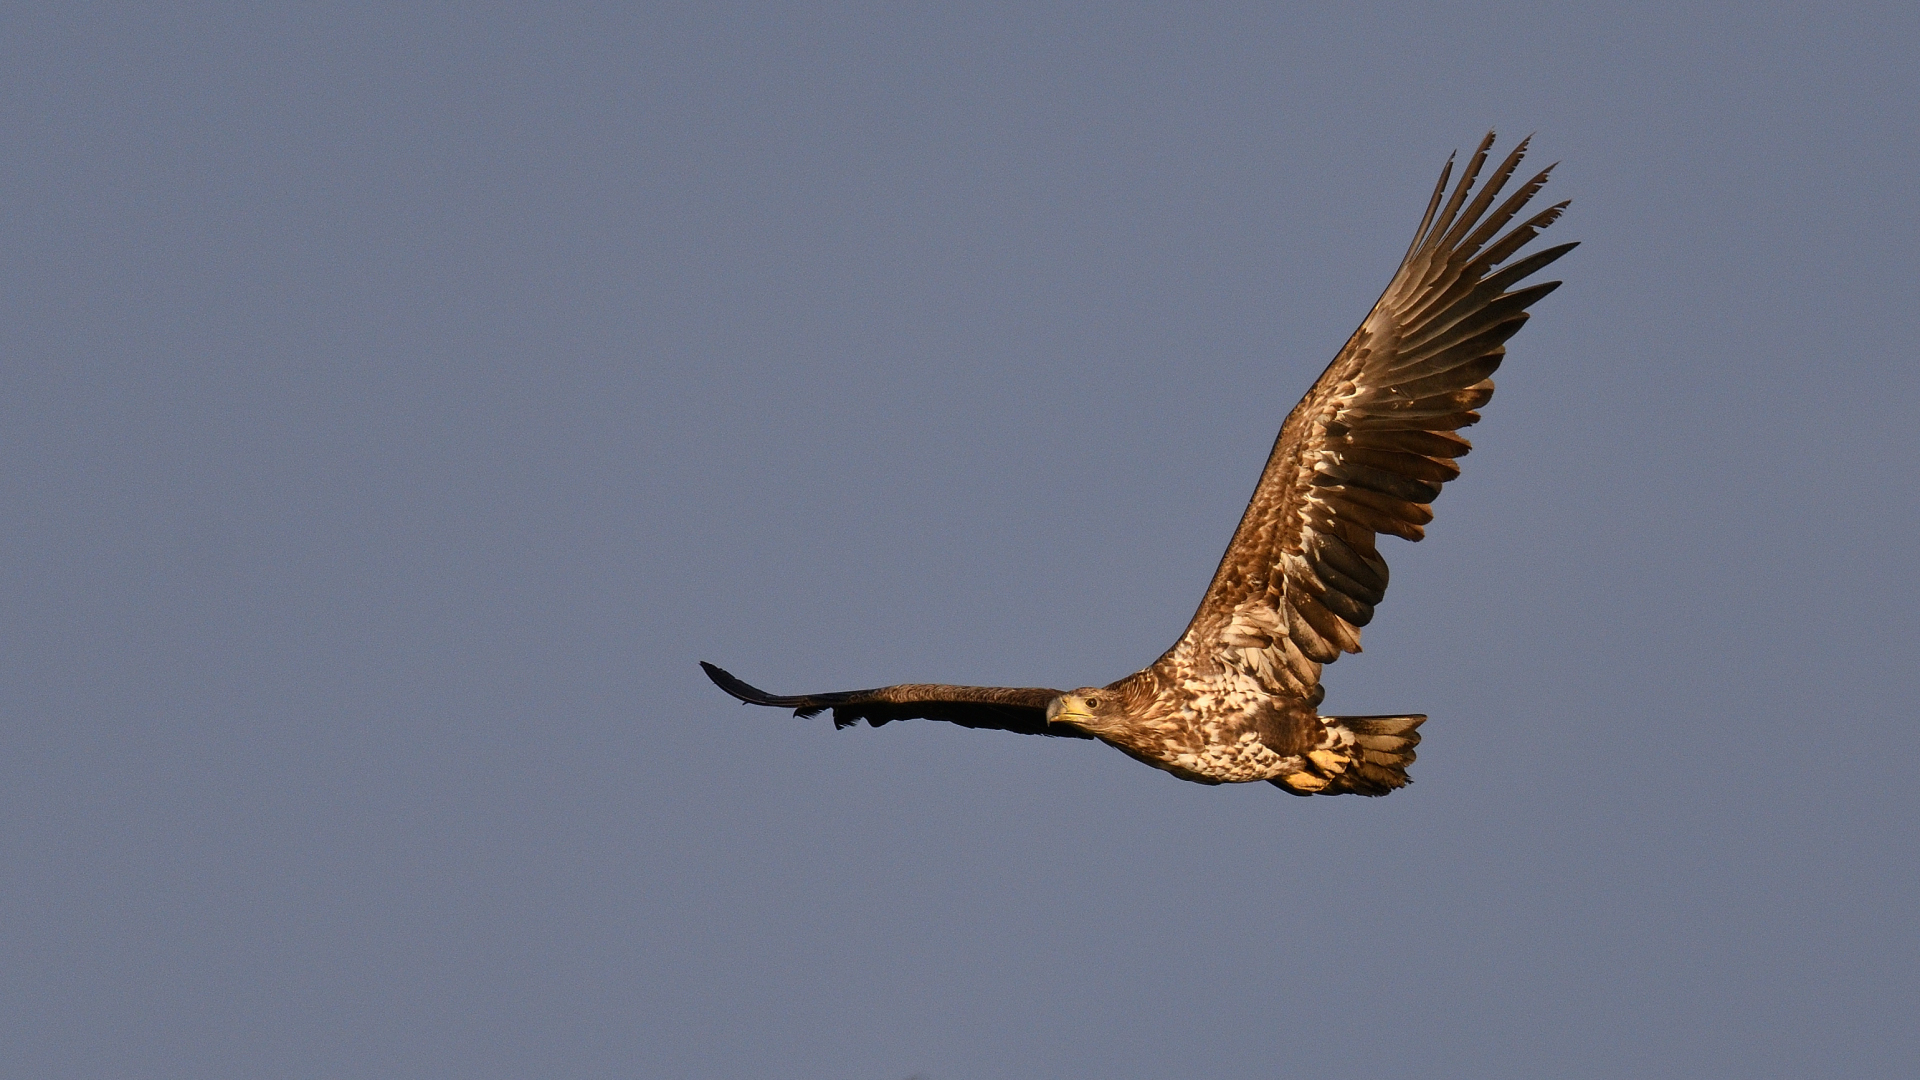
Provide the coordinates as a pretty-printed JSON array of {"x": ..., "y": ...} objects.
[
  {"x": 1005, "y": 708},
  {"x": 1368, "y": 448}
]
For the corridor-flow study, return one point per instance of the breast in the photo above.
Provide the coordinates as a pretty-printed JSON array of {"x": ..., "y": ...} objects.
[{"x": 1206, "y": 751}]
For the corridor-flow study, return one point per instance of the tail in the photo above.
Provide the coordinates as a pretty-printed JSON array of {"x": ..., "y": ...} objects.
[{"x": 1358, "y": 755}]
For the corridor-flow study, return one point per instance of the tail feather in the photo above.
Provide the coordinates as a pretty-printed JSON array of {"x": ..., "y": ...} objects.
[{"x": 1359, "y": 755}]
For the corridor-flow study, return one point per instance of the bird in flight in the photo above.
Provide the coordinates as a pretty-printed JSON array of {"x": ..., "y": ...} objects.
[{"x": 1237, "y": 698}]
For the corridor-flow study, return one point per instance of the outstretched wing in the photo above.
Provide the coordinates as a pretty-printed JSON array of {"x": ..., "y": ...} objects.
[
  {"x": 1006, "y": 708},
  {"x": 1368, "y": 448}
]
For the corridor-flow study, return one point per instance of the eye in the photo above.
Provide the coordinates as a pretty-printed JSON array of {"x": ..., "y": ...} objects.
[{"x": 1093, "y": 703}]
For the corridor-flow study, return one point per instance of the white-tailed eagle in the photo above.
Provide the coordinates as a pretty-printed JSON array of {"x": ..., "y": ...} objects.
[{"x": 1365, "y": 452}]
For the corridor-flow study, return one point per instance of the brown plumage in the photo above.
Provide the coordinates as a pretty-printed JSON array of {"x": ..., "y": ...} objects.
[{"x": 1365, "y": 452}]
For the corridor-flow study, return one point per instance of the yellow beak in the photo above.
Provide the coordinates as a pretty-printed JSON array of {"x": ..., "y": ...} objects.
[{"x": 1067, "y": 709}]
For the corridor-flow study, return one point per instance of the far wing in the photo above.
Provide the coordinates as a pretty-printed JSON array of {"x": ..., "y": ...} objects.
[
  {"x": 1007, "y": 708},
  {"x": 1368, "y": 448}
]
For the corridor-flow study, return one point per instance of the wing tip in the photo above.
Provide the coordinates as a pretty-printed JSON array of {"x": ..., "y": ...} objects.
[
  {"x": 804, "y": 706},
  {"x": 725, "y": 680}
]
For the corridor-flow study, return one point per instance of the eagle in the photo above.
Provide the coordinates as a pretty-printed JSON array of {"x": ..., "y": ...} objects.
[{"x": 1365, "y": 452}]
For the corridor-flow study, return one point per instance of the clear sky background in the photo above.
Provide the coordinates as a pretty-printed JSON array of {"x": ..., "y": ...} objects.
[{"x": 398, "y": 404}]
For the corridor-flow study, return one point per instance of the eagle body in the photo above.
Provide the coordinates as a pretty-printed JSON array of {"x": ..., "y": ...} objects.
[
  {"x": 1212, "y": 732},
  {"x": 1228, "y": 727},
  {"x": 1365, "y": 452}
]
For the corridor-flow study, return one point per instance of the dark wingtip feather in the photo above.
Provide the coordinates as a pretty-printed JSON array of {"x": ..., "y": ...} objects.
[
  {"x": 1527, "y": 267},
  {"x": 752, "y": 695},
  {"x": 803, "y": 706}
]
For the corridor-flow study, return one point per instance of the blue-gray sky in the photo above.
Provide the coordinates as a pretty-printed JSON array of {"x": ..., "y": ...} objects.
[{"x": 397, "y": 403}]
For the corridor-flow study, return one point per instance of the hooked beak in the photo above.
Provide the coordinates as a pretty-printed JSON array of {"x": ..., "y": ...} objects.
[{"x": 1067, "y": 709}]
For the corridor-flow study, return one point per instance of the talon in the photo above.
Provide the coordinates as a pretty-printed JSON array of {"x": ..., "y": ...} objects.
[{"x": 1329, "y": 762}]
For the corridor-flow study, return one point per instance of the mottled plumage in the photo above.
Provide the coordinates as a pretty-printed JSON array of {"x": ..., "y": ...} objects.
[{"x": 1365, "y": 452}]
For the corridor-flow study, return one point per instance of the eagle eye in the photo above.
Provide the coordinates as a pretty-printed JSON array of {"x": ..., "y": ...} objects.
[{"x": 1093, "y": 703}]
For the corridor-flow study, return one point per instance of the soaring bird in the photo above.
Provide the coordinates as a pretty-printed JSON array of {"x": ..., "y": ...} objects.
[{"x": 1365, "y": 452}]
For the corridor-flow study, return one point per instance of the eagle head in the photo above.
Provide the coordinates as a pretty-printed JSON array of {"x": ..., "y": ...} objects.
[{"x": 1091, "y": 708}]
